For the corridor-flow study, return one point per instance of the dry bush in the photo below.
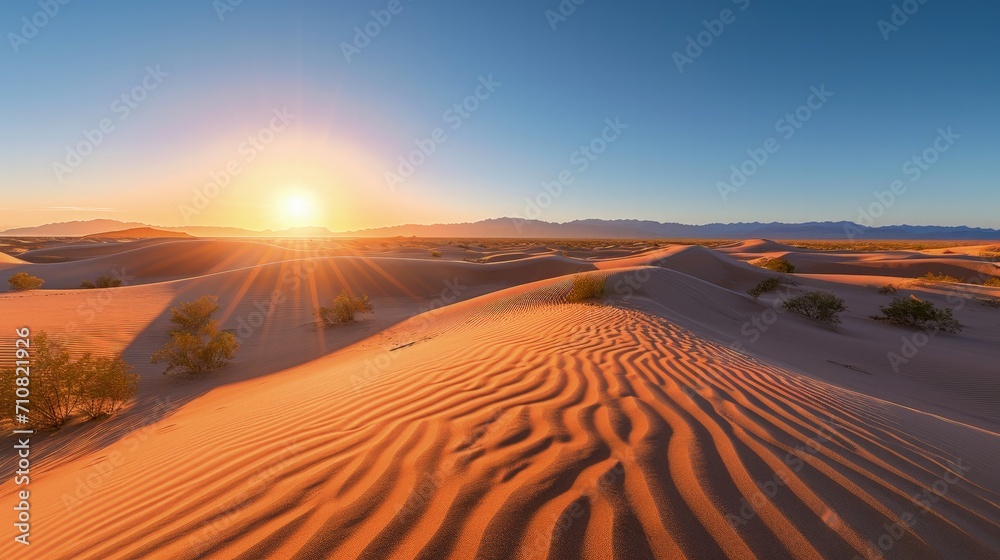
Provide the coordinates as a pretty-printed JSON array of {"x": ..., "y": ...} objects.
[
  {"x": 107, "y": 384},
  {"x": 931, "y": 277},
  {"x": 920, "y": 314},
  {"x": 766, "y": 285},
  {"x": 992, "y": 282},
  {"x": 586, "y": 287},
  {"x": 344, "y": 309},
  {"x": 435, "y": 253},
  {"x": 822, "y": 306},
  {"x": 777, "y": 264},
  {"x": 196, "y": 343},
  {"x": 61, "y": 387},
  {"x": 22, "y": 281}
]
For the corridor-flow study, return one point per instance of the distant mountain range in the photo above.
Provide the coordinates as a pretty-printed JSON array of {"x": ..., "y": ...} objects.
[{"x": 514, "y": 227}]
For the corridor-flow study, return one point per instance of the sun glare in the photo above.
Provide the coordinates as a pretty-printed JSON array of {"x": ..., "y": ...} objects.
[{"x": 297, "y": 207}]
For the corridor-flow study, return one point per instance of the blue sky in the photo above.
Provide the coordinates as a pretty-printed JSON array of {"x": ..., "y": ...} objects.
[{"x": 221, "y": 79}]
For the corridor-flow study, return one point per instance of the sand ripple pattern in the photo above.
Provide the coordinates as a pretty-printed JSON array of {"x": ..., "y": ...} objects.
[{"x": 539, "y": 429}]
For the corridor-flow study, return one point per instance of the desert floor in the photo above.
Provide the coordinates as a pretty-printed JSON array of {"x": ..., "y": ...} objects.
[{"x": 478, "y": 414}]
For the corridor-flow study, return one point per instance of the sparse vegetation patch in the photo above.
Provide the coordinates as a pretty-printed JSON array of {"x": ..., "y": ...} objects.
[
  {"x": 916, "y": 313},
  {"x": 766, "y": 285},
  {"x": 586, "y": 286},
  {"x": 344, "y": 309},
  {"x": 822, "y": 306}
]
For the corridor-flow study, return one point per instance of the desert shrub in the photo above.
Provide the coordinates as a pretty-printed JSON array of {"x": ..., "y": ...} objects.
[
  {"x": 435, "y": 253},
  {"x": 344, "y": 309},
  {"x": 108, "y": 282},
  {"x": 931, "y": 277},
  {"x": 107, "y": 383},
  {"x": 61, "y": 386},
  {"x": 989, "y": 301},
  {"x": 586, "y": 287},
  {"x": 992, "y": 282},
  {"x": 887, "y": 289},
  {"x": 822, "y": 306},
  {"x": 765, "y": 285},
  {"x": 920, "y": 314},
  {"x": 777, "y": 264},
  {"x": 196, "y": 343},
  {"x": 23, "y": 281},
  {"x": 102, "y": 282}
]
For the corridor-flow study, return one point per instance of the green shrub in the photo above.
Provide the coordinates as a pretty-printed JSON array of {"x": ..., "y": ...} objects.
[
  {"x": 87, "y": 285},
  {"x": 435, "y": 253},
  {"x": 22, "y": 281},
  {"x": 586, "y": 287},
  {"x": 931, "y": 277},
  {"x": 107, "y": 384},
  {"x": 344, "y": 309},
  {"x": 822, "y": 306},
  {"x": 196, "y": 343},
  {"x": 992, "y": 282},
  {"x": 777, "y": 264},
  {"x": 920, "y": 314},
  {"x": 887, "y": 289},
  {"x": 61, "y": 386},
  {"x": 108, "y": 282},
  {"x": 766, "y": 285}
]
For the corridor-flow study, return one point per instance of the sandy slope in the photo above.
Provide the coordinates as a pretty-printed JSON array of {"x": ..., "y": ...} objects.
[{"x": 514, "y": 425}]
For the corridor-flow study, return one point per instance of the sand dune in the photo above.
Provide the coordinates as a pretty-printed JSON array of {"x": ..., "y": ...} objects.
[
  {"x": 500, "y": 421},
  {"x": 645, "y": 441}
]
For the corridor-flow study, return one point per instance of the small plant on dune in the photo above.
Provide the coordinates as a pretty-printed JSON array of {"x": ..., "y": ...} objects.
[
  {"x": 344, "y": 309},
  {"x": 822, "y": 306},
  {"x": 919, "y": 314},
  {"x": 992, "y": 282},
  {"x": 586, "y": 287},
  {"x": 766, "y": 285},
  {"x": 22, "y": 281},
  {"x": 102, "y": 282},
  {"x": 196, "y": 343},
  {"x": 61, "y": 386},
  {"x": 887, "y": 289},
  {"x": 777, "y": 264},
  {"x": 435, "y": 253},
  {"x": 931, "y": 277},
  {"x": 107, "y": 383}
]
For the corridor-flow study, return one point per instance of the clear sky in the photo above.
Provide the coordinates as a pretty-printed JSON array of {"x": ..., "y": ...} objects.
[{"x": 302, "y": 111}]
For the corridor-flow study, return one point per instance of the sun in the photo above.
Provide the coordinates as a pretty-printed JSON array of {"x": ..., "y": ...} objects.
[{"x": 297, "y": 208}]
